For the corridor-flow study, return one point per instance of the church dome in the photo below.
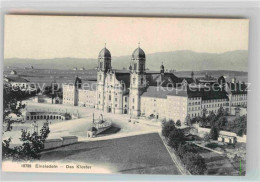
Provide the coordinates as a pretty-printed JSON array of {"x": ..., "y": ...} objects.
[
  {"x": 138, "y": 54},
  {"x": 104, "y": 53}
]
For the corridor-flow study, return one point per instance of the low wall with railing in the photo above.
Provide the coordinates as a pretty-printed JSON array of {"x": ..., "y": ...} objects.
[{"x": 59, "y": 142}]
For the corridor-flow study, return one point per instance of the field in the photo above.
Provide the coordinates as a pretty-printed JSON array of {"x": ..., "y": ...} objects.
[
  {"x": 142, "y": 154},
  {"x": 46, "y": 76}
]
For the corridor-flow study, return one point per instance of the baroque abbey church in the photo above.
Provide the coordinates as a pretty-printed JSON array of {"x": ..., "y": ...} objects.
[{"x": 138, "y": 92}]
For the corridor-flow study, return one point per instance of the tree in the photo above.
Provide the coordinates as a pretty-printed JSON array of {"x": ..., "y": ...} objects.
[
  {"x": 178, "y": 123},
  {"x": 12, "y": 103},
  {"x": 238, "y": 126},
  {"x": 167, "y": 127},
  {"x": 203, "y": 122},
  {"x": 221, "y": 112},
  {"x": 188, "y": 120},
  {"x": 32, "y": 144},
  {"x": 212, "y": 118},
  {"x": 176, "y": 137},
  {"x": 214, "y": 133}
]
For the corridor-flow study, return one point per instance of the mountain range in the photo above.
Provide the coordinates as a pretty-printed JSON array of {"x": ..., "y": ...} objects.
[{"x": 175, "y": 60}]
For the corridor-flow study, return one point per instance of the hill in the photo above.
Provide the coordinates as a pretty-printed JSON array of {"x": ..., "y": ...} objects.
[{"x": 176, "y": 60}]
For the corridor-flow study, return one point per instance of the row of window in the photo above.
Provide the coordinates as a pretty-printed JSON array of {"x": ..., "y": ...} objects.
[
  {"x": 194, "y": 103},
  {"x": 195, "y": 98},
  {"x": 214, "y": 100},
  {"x": 216, "y": 105},
  {"x": 194, "y": 108},
  {"x": 238, "y": 99},
  {"x": 239, "y": 104},
  {"x": 194, "y": 115},
  {"x": 65, "y": 98}
]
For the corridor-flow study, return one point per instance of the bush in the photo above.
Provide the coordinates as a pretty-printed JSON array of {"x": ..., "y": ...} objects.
[
  {"x": 176, "y": 137},
  {"x": 185, "y": 148},
  {"x": 206, "y": 137},
  {"x": 167, "y": 127},
  {"x": 178, "y": 123},
  {"x": 212, "y": 145},
  {"x": 194, "y": 163}
]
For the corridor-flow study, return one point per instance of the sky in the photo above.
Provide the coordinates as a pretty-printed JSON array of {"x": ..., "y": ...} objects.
[{"x": 44, "y": 37}]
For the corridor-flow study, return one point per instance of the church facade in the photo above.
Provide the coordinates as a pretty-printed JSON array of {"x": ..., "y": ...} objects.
[{"x": 161, "y": 94}]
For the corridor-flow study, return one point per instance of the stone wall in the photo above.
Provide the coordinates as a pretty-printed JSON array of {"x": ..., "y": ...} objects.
[{"x": 59, "y": 142}]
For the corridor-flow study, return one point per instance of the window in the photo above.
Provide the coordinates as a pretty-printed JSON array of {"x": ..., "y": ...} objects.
[
  {"x": 109, "y": 97},
  {"x": 125, "y": 99},
  {"x": 115, "y": 105},
  {"x": 135, "y": 66},
  {"x": 133, "y": 107},
  {"x": 134, "y": 80},
  {"x": 116, "y": 99},
  {"x": 133, "y": 100}
]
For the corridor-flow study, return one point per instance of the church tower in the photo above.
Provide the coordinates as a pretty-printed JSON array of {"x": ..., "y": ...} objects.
[
  {"x": 104, "y": 65},
  {"x": 137, "y": 80}
]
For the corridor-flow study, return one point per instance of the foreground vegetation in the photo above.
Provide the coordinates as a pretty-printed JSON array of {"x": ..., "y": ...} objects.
[
  {"x": 193, "y": 162},
  {"x": 32, "y": 144}
]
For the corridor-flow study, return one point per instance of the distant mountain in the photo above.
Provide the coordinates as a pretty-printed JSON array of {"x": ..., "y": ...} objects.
[{"x": 176, "y": 60}]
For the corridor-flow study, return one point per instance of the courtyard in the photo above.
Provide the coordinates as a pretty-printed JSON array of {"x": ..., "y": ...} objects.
[{"x": 78, "y": 127}]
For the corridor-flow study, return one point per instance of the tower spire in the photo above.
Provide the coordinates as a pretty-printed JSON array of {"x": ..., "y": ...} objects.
[
  {"x": 105, "y": 44},
  {"x": 139, "y": 44}
]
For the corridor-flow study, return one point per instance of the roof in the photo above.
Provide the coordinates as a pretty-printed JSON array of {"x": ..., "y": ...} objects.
[
  {"x": 204, "y": 93},
  {"x": 189, "y": 80},
  {"x": 138, "y": 53},
  {"x": 165, "y": 80},
  {"x": 207, "y": 94},
  {"x": 46, "y": 112},
  {"x": 16, "y": 79},
  {"x": 124, "y": 77},
  {"x": 104, "y": 53},
  {"x": 162, "y": 92},
  {"x": 237, "y": 88}
]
